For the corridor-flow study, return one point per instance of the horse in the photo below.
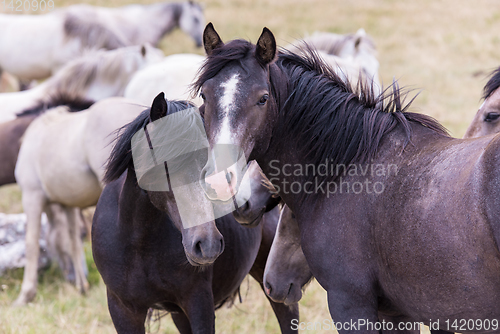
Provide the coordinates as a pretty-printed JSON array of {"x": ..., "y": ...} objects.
[
  {"x": 387, "y": 203},
  {"x": 77, "y": 86},
  {"x": 139, "y": 246},
  {"x": 351, "y": 55},
  {"x": 486, "y": 120},
  {"x": 67, "y": 173},
  {"x": 172, "y": 76},
  {"x": 67, "y": 33},
  {"x": 95, "y": 76}
]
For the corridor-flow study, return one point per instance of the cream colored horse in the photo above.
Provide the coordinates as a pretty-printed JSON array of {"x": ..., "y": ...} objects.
[
  {"x": 172, "y": 76},
  {"x": 61, "y": 163},
  {"x": 36, "y": 46},
  {"x": 95, "y": 76}
]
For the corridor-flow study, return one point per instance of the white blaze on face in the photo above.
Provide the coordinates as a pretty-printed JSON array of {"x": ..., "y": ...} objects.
[{"x": 226, "y": 102}]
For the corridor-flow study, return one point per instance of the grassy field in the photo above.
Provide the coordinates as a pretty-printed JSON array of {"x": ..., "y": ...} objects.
[{"x": 442, "y": 49}]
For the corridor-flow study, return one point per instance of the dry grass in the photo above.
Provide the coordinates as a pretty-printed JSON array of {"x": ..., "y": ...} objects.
[{"x": 443, "y": 48}]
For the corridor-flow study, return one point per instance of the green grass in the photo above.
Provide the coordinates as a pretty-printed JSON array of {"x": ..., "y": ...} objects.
[{"x": 442, "y": 48}]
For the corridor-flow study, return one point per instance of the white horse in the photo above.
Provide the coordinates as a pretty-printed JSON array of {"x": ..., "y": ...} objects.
[
  {"x": 94, "y": 76},
  {"x": 61, "y": 162},
  {"x": 172, "y": 76},
  {"x": 351, "y": 55},
  {"x": 35, "y": 46}
]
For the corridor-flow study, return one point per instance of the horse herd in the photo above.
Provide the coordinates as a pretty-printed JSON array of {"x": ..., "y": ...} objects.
[{"x": 424, "y": 249}]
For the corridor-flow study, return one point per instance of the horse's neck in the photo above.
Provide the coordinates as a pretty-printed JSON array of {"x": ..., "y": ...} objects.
[
  {"x": 140, "y": 217},
  {"x": 154, "y": 21}
]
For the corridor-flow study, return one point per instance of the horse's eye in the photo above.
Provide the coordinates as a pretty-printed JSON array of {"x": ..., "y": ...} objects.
[
  {"x": 293, "y": 215},
  {"x": 263, "y": 99},
  {"x": 202, "y": 96},
  {"x": 491, "y": 116}
]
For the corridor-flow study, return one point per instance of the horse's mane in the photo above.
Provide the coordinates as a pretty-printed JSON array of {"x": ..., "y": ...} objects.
[
  {"x": 82, "y": 22},
  {"x": 50, "y": 101},
  {"x": 492, "y": 84},
  {"x": 328, "y": 120},
  {"x": 109, "y": 66},
  {"x": 120, "y": 158},
  {"x": 71, "y": 82}
]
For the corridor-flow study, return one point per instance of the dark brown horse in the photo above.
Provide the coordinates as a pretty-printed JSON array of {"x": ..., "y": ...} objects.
[
  {"x": 139, "y": 248},
  {"x": 487, "y": 119},
  {"x": 396, "y": 218}
]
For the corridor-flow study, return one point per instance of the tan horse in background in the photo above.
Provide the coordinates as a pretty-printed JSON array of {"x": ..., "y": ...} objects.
[{"x": 61, "y": 163}]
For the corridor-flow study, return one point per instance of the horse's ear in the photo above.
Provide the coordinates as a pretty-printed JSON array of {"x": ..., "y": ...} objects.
[
  {"x": 358, "y": 37},
  {"x": 158, "y": 108},
  {"x": 266, "y": 50},
  {"x": 211, "y": 39}
]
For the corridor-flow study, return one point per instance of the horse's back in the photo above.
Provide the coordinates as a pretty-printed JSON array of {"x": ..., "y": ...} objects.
[
  {"x": 104, "y": 120},
  {"x": 172, "y": 76},
  {"x": 31, "y": 44},
  {"x": 439, "y": 223}
]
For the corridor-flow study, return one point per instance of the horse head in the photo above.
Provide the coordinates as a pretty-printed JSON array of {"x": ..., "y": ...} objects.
[
  {"x": 164, "y": 149},
  {"x": 192, "y": 21},
  {"x": 487, "y": 119},
  {"x": 235, "y": 88},
  {"x": 287, "y": 271}
]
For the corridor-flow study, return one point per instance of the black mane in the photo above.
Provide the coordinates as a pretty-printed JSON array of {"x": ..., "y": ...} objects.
[
  {"x": 55, "y": 100},
  {"x": 120, "y": 158},
  {"x": 492, "y": 84},
  {"x": 328, "y": 119}
]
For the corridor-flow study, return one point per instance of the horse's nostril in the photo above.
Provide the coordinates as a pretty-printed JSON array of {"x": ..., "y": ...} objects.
[
  {"x": 197, "y": 248},
  {"x": 267, "y": 287},
  {"x": 221, "y": 245}
]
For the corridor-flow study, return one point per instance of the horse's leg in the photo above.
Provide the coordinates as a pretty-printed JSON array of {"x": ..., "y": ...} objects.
[
  {"x": 347, "y": 308},
  {"x": 126, "y": 319},
  {"x": 59, "y": 240},
  {"x": 199, "y": 308},
  {"x": 33, "y": 203},
  {"x": 77, "y": 252},
  {"x": 181, "y": 321}
]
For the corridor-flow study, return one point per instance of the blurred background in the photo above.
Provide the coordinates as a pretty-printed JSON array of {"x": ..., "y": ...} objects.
[{"x": 444, "y": 50}]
